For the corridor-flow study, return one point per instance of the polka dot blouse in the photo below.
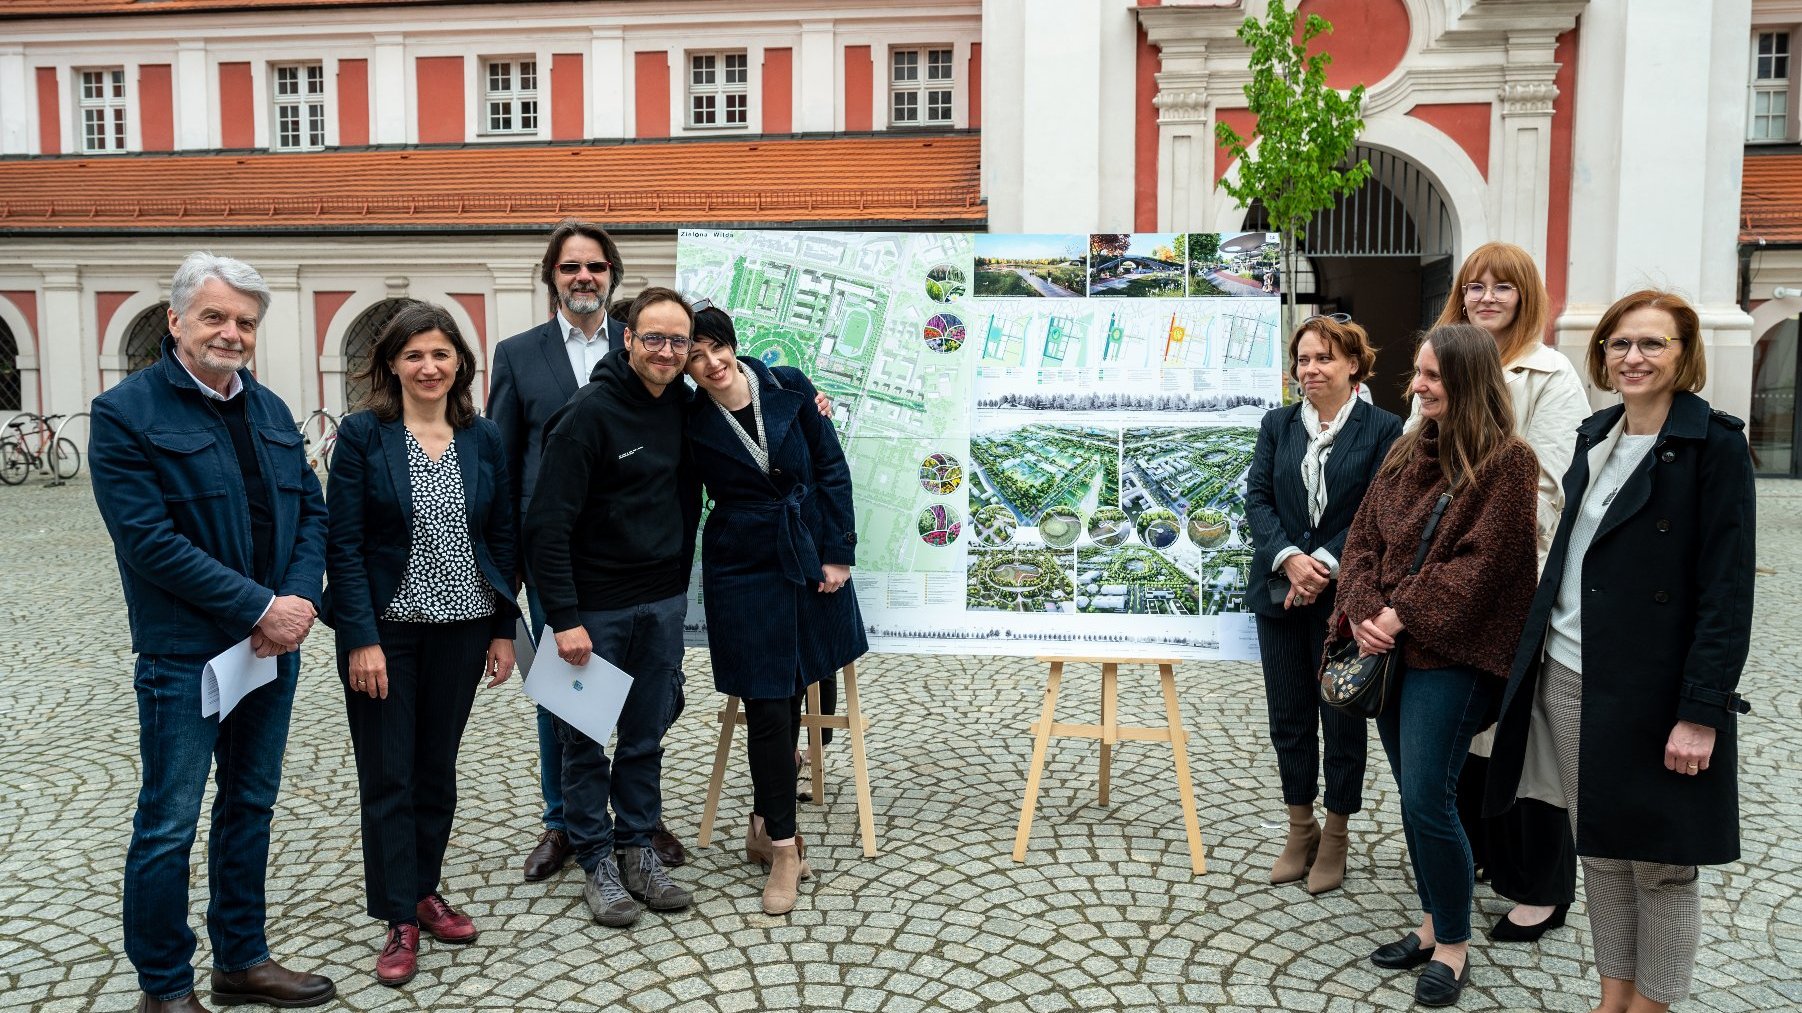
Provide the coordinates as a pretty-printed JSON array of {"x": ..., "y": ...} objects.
[{"x": 443, "y": 582}]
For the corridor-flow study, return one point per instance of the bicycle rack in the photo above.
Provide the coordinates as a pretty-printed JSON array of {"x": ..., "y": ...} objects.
[{"x": 56, "y": 433}]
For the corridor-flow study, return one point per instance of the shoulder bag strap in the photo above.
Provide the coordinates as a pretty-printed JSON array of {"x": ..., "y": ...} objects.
[{"x": 1426, "y": 534}]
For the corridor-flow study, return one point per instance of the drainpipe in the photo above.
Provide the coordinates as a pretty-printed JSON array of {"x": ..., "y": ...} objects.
[{"x": 1745, "y": 271}]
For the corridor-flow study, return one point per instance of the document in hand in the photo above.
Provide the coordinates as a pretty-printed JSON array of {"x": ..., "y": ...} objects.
[
  {"x": 523, "y": 651},
  {"x": 231, "y": 676},
  {"x": 589, "y": 697}
]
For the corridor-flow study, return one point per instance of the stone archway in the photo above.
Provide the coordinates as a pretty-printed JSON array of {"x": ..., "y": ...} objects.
[
  {"x": 359, "y": 342},
  {"x": 143, "y": 343}
]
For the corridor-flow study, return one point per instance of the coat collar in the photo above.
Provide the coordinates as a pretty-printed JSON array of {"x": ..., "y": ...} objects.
[
  {"x": 177, "y": 374},
  {"x": 1687, "y": 420},
  {"x": 556, "y": 356},
  {"x": 1541, "y": 359},
  {"x": 394, "y": 450},
  {"x": 780, "y": 409}
]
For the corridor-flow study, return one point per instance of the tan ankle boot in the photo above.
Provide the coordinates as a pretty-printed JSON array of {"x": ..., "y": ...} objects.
[
  {"x": 1329, "y": 865},
  {"x": 788, "y": 868},
  {"x": 1298, "y": 850},
  {"x": 757, "y": 842}
]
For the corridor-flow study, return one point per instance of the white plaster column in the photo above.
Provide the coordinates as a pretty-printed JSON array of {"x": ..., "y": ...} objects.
[
  {"x": 281, "y": 358},
  {"x": 1003, "y": 128},
  {"x": 1185, "y": 136},
  {"x": 1661, "y": 90},
  {"x": 816, "y": 78},
  {"x": 15, "y": 109},
  {"x": 1522, "y": 169},
  {"x": 1063, "y": 163},
  {"x": 606, "y": 105},
  {"x": 518, "y": 302},
  {"x": 64, "y": 342},
  {"x": 190, "y": 87},
  {"x": 388, "y": 90}
]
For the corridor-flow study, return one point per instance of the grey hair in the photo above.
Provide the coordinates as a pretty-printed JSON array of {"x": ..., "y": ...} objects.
[{"x": 201, "y": 265}]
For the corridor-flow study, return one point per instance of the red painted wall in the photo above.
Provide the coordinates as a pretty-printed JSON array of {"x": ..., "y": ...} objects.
[
  {"x": 476, "y": 305},
  {"x": 567, "y": 102},
  {"x": 1464, "y": 122},
  {"x": 1243, "y": 123},
  {"x": 1145, "y": 136},
  {"x": 237, "y": 106},
  {"x": 105, "y": 305},
  {"x": 860, "y": 75},
  {"x": 26, "y": 302},
  {"x": 650, "y": 74},
  {"x": 156, "y": 107},
  {"x": 440, "y": 89},
  {"x": 325, "y": 306},
  {"x": 778, "y": 91},
  {"x": 975, "y": 85},
  {"x": 353, "y": 103},
  {"x": 1557, "y": 230},
  {"x": 50, "y": 135},
  {"x": 1368, "y": 40}
]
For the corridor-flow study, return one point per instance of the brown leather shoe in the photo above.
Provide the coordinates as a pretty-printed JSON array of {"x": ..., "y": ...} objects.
[
  {"x": 186, "y": 1004},
  {"x": 271, "y": 984},
  {"x": 549, "y": 857},
  {"x": 669, "y": 850}
]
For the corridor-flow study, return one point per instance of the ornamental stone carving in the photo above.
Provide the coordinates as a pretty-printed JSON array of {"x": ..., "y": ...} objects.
[
  {"x": 1184, "y": 106},
  {"x": 1527, "y": 98}
]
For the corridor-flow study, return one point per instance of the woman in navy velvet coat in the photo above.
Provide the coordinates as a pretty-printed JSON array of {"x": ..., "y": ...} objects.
[{"x": 776, "y": 557}]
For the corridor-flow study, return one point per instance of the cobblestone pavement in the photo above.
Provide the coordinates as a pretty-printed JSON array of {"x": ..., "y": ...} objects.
[{"x": 1104, "y": 915}]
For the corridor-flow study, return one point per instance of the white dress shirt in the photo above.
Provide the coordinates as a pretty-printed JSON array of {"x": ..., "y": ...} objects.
[{"x": 584, "y": 351}]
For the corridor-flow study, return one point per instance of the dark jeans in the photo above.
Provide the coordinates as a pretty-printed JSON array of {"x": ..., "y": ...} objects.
[
  {"x": 645, "y": 642},
  {"x": 406, "y": 750},
  {"x": 1527, "y": 852},
  {"x": 771, "y": 731},
  {"x": 178, "y": 748},
  {"x": 1427, "y": 735},
  {"x": 1291, "y": 648},
  {"x": 550, "y": 751}
]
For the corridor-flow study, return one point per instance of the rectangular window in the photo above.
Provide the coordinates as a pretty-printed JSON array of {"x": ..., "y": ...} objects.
[
  {"x": 719, "y": 89},
  {"x": 920, "y": 87},
  {"x": 1769, "y": 107},
  {"x": 102, "y": 107},
  {"x": 510, "y": 96},
  {"x": 298, "y": 92}
]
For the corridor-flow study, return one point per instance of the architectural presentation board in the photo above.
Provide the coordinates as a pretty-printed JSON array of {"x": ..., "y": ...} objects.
[{"x": 1048, "y": 435}]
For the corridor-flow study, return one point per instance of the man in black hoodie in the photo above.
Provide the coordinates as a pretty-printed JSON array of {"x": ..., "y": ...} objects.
[{"x": 609, "y": 543}]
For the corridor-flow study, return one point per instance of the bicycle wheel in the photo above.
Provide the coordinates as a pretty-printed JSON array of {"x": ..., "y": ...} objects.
[
  {"x": 65, "y": 456},
  {"x": 15, "y": 464}
]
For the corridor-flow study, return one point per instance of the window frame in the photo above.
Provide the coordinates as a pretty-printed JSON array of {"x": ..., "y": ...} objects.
[
  {"x": 516, "y": 96},
  {"x": 720, "y": 90},
  {"x": 309, "y": 106},
  {"x": 931, "y": 86},
  {"x": 1774, "y": 90},
  {"x": 117, "y": 126}
]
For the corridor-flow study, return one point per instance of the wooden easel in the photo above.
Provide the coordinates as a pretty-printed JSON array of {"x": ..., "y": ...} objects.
[
  {"x": 852, "y": 721},
  {"x": 1109, "y": 731}
]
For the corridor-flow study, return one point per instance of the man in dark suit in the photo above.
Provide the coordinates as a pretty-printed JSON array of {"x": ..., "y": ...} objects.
[
  {"x": 218, "y": 526},
  {"x": 535, "y": 373}
]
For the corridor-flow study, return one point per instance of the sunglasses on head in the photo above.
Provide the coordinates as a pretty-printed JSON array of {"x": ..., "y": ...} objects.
[
  {"x": 1338, "y": 318},
  {"x": 571, "y": 268},
  {"x": 701, "y": 304}
]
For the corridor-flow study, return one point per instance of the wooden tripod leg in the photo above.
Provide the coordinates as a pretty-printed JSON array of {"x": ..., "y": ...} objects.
[
  {"x": 728, "y": 719},
  {"x": 814, "y": 736},
  {"x": 1040, "y": 740},
  {"x": 860, "y": 770},
  {"x": 1110, "y": 674},
  {"x": 1179, "y": 752}
]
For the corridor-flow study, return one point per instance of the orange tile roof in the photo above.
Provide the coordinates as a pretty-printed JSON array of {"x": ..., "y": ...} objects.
[
  {"x": 18, "y": 9},
  {"x": 656, "y": 185},
  {"x": 1770, "y": 198}
]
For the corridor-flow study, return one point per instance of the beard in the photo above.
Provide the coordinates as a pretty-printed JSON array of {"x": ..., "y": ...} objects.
[{"x": 582, "y": 303}]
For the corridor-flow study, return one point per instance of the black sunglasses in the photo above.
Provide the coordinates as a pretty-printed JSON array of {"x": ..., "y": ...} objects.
[{"x": 572, "y": 268}]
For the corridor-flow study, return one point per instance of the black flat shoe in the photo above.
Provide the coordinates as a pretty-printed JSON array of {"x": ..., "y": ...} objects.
[
  {"x": 1437, "y": 986},
  {"x": 1506, "y": 931},
  {"x": 1402, "y": 954}
]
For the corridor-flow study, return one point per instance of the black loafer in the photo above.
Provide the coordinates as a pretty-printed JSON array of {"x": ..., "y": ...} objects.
[
  {"x": 1437, "y": 986},
  {"x": 1506, "y": 931},
  {"x": 1402, "y": 954}
]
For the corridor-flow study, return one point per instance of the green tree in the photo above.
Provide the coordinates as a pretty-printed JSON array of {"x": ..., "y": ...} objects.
[
  {"x": 1304, "y": 131},
  {"x": 1109, "y": 244},
  {"x": 1198, "y": 247}
]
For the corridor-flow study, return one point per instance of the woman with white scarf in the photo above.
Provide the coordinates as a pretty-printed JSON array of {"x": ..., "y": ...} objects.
[{"x": 1308, "y": 475}]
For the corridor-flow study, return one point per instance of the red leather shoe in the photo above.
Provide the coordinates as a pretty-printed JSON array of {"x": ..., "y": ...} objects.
[
  {"x": 400, "y": 956},
  {"x": 443, "y": 922}
]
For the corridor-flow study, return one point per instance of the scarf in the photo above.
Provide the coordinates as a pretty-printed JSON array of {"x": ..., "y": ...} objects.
[
  {"x": 1320, "y": 444},
  {"x": 760, "y": 447}
]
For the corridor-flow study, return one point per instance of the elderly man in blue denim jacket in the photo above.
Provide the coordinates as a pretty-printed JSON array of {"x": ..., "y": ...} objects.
[{"x": 219, "y": 528}]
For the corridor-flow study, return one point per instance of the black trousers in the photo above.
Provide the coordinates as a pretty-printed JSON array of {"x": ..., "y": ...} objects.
[
  {"x": 406, "y": 749},
  {"x": 1290, "y": 648},
  {"x": 772, "y": 728},
  {"x": 1527, "y": 852}
]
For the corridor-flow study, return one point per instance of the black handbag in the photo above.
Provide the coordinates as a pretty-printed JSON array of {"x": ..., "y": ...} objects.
[{"x": 1361, "y": 685}]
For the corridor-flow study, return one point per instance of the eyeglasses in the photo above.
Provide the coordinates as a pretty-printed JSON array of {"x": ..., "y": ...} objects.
[
  {"x": 1651, "y": 348},
  {"x": 571, "y": 268},
  {"x": 701, "y": 304},
  {"x": 1338, "y": 318},
  {"x": 1501, "y": 290},
  {"x": 654, "y": 342}
]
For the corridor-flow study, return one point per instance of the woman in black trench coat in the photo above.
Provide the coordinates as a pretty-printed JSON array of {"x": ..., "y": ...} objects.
[
  {"x": 1632, "y": 654},
  {"x": 776, "y": 557}
]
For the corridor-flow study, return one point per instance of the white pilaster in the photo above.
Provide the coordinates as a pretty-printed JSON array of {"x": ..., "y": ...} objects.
[
  {"x": 62, "y": 341},
  {"x": 606, "y": 105},
  {"x": 1063, "y": 163},
  {"x": 1522, "y": 169},
  {"x": 816, "y": 84},
  {"x": 15, "y": 107},
  {"x": 1003, "y": 128},
  {"x": 281, "y": 360},
  {"x": 1185, "y": 136},
  {"x": 388, "y": 90},
  {"x": 518, "y": 301},
  {"x": 190, "y": 87}
]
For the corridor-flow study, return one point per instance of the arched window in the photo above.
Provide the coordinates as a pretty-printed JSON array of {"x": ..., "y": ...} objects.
[
  {"x": 144, "y": 338},
  {"x": 9, "y": 370},
  {"x": 359, "y": 341}
]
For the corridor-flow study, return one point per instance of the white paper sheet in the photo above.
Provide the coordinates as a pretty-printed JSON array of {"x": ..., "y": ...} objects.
[
  {"x": 231, "y": 676},
  {"x": 588, "y": 697},
  {"x": 1238, "y": 636}
]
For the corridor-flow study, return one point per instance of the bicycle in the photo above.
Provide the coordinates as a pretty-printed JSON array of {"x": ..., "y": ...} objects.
[
  {"x": 319, "y": 457},
  {"x": 61, "y": 458}
]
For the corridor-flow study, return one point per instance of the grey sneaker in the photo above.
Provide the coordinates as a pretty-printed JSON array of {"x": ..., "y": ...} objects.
[
  {"x": 607, "y": 898},
  {"x": 646, "y": 880}
]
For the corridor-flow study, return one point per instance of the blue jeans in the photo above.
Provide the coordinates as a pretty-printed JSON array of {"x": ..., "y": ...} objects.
[
  {"x": 178, "y": 748},
  {"x": 550, "y": 751},
  {"x": 1426, "y": 734},
  {"x": 645, "y": 642}
]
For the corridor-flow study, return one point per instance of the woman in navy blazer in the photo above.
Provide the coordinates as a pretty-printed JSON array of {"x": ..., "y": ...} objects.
[
  {"x": 776, "y": 557},
  {"x": 419, "y": 562},
  {"x": 1313, "y": 461}
]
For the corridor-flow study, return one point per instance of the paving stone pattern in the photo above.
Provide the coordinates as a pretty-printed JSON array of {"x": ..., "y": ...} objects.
[{"x": 1104, "y": 915}]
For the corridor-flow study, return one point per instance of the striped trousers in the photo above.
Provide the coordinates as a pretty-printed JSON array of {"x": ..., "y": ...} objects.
[
  {"x": 1645, "y": 918},
  {"x": 1290, "y": 649}
]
